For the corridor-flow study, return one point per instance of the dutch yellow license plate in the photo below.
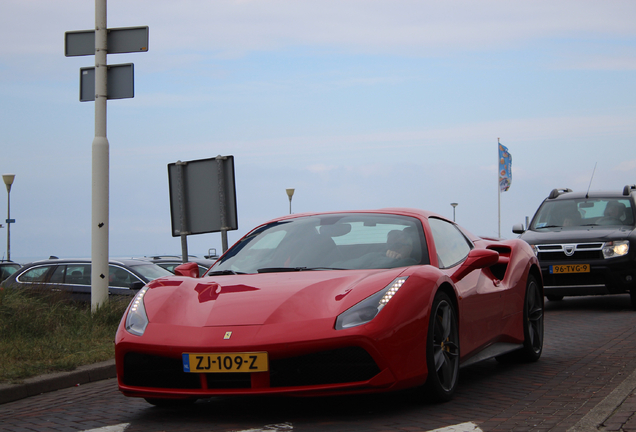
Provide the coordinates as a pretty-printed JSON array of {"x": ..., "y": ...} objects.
[
  {"x": 225, "y": 362},
  {"x": 570, "y": 268}
]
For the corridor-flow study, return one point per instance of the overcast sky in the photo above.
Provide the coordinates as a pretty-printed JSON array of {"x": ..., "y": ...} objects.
[{"x": 357, "y": 104}]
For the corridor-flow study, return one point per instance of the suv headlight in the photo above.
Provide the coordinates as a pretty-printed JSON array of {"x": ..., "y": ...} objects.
[
  {"x": 137, "y": 320},
  {"x": 368, "y": 308},
  {"x": 615, "y": 249}
]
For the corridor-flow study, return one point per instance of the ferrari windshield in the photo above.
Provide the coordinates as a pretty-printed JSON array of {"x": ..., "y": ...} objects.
[
  {"x": 335, "y": 241},
  {"x": 584, "y": 212}
]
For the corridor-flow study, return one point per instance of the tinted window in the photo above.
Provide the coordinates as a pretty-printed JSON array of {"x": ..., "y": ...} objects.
[
  {"x": 584, "y": 212},
  {"x": 78, "y": 274},
  {"x": 120, "y": 277},
  {"x": 150, "y": 271},
  {"x": 338, "y": 241},
  {"x": 8, "y": 270},
  {"x": 35, "y": 274},
  {"x": 58, "y": 274},
  {"x": 452, "y": 247}
]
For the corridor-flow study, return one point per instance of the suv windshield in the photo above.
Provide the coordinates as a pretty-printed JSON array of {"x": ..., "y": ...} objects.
[
  {"x": 334, "y": 241},
  {"x": 583, "y": 212}
]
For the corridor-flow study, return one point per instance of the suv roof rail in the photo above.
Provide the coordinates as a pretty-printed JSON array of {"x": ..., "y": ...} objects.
[
  {"x": 627, "y": 190},
  {"x": 556, "y": 192}
]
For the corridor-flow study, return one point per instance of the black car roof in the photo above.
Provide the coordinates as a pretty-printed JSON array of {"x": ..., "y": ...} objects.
[{"x": 565, "y": 194}]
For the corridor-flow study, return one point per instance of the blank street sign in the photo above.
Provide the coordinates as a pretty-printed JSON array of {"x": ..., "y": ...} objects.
[
  {"x": 120, "y": 82},
  {"x": 119, "y": 40}
]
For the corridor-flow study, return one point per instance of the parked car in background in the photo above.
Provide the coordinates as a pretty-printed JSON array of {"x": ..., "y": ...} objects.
[
  {"x": 585, "y": 242},
  {"x": 73, "y": 276},
  {"x": 333, "y": 304},
  {"x": 169, "y": 262},
  {"x": 7, "y": 268}
]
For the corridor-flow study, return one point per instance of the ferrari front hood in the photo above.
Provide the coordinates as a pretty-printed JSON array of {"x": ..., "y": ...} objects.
[{"x": 257, "y": 299}]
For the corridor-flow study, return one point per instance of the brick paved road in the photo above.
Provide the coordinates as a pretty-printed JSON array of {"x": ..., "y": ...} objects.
[{"x": 590, "y": 348}]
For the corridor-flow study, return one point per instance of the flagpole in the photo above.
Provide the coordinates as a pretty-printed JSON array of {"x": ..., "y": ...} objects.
[{"x": 498, "y": 195}]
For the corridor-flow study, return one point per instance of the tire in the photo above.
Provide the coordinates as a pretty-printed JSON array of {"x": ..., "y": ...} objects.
[
  {"x": 632, "y": 296},
  {"x": 532, "y": 327},
  {"x": 533, "y": 316},
  {"x": 442, "y": 350},
  {"x": 555, "y": 297}
]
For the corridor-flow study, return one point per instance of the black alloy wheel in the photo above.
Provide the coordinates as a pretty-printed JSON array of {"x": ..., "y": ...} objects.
[
  {"x": 532, "y": 326},
  {"x": 442, "y": 349},
  {"x": 533, "y": 321}
]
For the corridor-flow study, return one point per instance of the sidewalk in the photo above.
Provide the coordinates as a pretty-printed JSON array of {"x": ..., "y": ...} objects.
[
  {"x": 57, "y": 381},
  {"x": 615, "y": 413}
]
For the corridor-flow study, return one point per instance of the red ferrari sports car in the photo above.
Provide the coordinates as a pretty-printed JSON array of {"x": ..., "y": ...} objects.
[{"x": 334, "y": 303}]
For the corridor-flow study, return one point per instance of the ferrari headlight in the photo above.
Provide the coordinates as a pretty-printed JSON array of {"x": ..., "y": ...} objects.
[
  {"x": 368, "y": 308},
  {"x": 615, "y": 248},
  {"x": 137, "y": 320}
]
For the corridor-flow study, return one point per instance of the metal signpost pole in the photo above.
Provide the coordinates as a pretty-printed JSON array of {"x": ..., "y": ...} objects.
[
  {"x": 183, "y": 216},
  {"x": 8, "y": 181},
  {"x": 100, "y": 188},
  {"x": 222, "y": 209}
]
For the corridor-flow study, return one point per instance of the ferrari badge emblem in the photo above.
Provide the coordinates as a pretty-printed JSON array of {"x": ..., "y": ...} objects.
[{"x": 227, "y": 335}]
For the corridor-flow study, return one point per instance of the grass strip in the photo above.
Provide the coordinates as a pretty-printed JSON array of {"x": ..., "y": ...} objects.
[{"x": 44, "y": 333}]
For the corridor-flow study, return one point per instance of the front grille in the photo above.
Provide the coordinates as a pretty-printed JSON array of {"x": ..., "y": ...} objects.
[
  {"x": 342, "y": 365},
  {"x": 570, "y": 252},
  {"x": 337, "y": 366},
  {"x": 574, "y": 279},
  {"x": 143, "y": 370}
]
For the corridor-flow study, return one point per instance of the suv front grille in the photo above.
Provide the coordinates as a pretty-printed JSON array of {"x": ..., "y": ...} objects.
[{"x": 570, "y": 251}]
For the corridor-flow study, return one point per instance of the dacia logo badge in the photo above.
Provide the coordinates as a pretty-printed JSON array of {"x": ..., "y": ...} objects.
[
  {"x": 569, "y": 249},
  {"x": 227, "y": 335}
]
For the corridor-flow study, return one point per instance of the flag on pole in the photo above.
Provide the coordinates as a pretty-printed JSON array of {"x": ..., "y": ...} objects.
[{"x": 505, "y": 168}]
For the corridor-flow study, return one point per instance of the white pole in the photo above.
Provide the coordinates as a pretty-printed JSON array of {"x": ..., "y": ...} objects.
[
  {"x": 100, "y": 191},
  {"x": 498, "y": 195}
]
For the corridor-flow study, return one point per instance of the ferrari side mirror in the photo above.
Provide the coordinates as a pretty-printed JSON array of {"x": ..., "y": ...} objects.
[
  {"x": 477, "y": 259},
  {"x": 190, "y": 269}
]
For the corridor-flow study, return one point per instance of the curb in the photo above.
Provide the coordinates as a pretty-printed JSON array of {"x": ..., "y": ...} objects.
[
  {"x": 56, "y": 381},
  {"x": 607, "y": 407}
]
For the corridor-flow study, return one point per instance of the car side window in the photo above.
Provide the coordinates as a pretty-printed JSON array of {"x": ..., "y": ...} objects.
[
  {"x": 6, "y": 271},
  {"x": 78, "y": 274},
  {"x": 35, "y": 274},
  {"x": 120, "y": 277},
  {"x": 58, "y": 274},
  {"x": 451, "y": 245}
]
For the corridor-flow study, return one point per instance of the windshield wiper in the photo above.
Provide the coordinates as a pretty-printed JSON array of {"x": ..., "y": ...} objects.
[
  {"x": 223, "y": 272},
  {"x": 280, "y": 269},
  {"x": 549, "y": 226},
  {"x": 293, "y": 269}
]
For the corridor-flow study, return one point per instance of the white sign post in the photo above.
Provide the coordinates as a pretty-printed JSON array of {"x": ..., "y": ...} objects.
[{"x": 134, "y": 39}]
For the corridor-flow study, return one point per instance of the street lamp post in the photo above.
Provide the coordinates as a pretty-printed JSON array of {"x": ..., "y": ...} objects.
[
  {"x": 8, "y": 181},
  {"x": 454, "y": 205},
  {"x": 290, "y": 194}
]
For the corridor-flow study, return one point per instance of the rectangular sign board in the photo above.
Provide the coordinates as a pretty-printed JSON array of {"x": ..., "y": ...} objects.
[
  {"x": 203, "y": 188},
  {"x": 119, "y": 40},
  {"x": 120, "y": 82}
]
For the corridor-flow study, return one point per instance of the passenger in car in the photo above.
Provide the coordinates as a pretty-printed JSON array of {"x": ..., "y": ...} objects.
[
  {"x": 399, "y": 245},
  {"x": 614, "y": 214}
]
